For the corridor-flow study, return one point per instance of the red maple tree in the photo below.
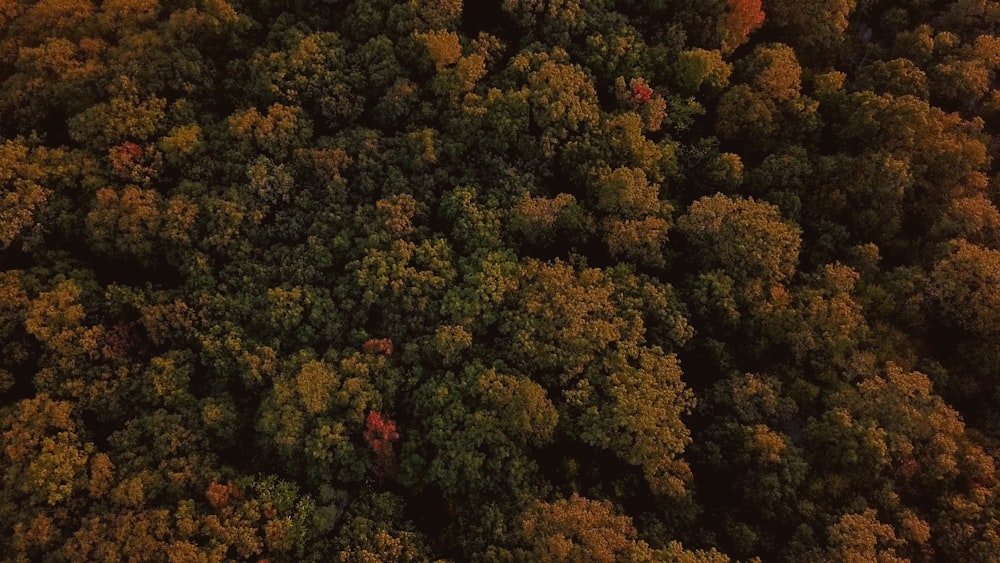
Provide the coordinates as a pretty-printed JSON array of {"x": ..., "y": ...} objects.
[
  {"x": 641, "y": 92},
  {"x": 380, "y": 433},
  {"x": 124, "y": 155},
  {"x": 742, "y": 17}
]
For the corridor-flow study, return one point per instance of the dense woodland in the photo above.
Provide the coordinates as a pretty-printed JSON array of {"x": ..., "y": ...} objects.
[{"x": 520, "y": 280}]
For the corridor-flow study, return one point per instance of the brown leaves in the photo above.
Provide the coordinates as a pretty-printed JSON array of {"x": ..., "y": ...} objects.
[
  {"x": 218, "y": 495},
  {"x": 378, "y": 346}
]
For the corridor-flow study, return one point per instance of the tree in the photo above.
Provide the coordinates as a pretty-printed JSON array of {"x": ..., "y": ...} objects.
[
  {"x": 380, "y": 433},
  {"x": 960, "y": 82},
  {"x": 718, "y": 228},
  {"x": 579, "y": 529},
  {"x": 22, "y": 198},
  {"x": 44, "y": 468},
  {"x": 561, "y": 95},
  {"x": 404, "y": 279},
  {"x": 473, "y": 436},
  {"x": 961, "y": 294},
  {"x": 541, "y": 221},
  {"x": 898, "y": 446},
  {"x": 56, "y": 66},
  {"x": 311, "y": 71},
  {"x": 830, "y": 326},
  {"x": 745, "y": 114},
  {"x": 274, "y": 133},
  {"x": 741, "y": 18},
  {"x": 313, "y": 418},
  {"x": 77, "y": 362},
  {"x": 554, "y": 23},
  {"x": 625, "y": 398},
  {"x": 376, "y": 529},
  {"x": 127, "y": 116},
  {"x": 899, "y": 77},
  {"x": 126, "y": 223},
  {"x": 964, "y": 288},
  {"x": 631, "y": 405},
  {"x": 750, "y": 473},
  {"x": 635, "y": 220},
  {"x": 862, "y": 537},
  {"x": 974, "y": 218},
  {"x": 774, "y": 70},
  {"x": 815, "y": 26},
  {"x": 697, "y": 68},
  {"x": 45, "y": 462}
]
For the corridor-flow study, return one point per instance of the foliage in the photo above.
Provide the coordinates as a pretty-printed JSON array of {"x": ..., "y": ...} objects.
[{"x": 519, "y": 280}]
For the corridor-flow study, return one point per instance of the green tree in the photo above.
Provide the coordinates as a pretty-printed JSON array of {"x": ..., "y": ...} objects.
[
  {"x": 748, "y": 468},
  {"x": 745, "y": 114},
  {"x": 960, "y": 294},
  {"x": 312, "y": 71},
  {"x": 899, "y": 77},
  {"x": 376, "y": 529},
  {"x": 697, "y": 68},
  {"x": 313, "y": 419},
  {"x": 816, "y": 27},
  {"x": 473, "y": 434}
]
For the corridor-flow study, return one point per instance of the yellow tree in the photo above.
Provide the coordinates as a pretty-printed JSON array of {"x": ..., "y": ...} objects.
[
  {"x": 570, "y": 333},
  {"x": 22, "y": 197},
  {"x": 579, "y": 529}
]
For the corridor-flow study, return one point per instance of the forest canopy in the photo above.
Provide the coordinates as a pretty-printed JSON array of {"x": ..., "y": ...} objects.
[{"x": 429, "y": 280}]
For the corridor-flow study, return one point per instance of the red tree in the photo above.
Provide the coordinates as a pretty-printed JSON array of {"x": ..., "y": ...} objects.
[
  {"x": 218, "y": 495},
  {"x": 124, "y": 155},
  {"x": 380, "y": 433},
  {"x": 641, "y": 92},
  {"x": 378, "y": 346},
  {"x": 741, "y": 18}
]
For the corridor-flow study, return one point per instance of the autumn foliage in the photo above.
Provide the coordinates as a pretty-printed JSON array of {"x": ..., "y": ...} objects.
[
  {"x": 518, "y": 280},
  {"x": 740, "y": 19},
  {"x": 641, "y": 92},
  {"x": 380, "y": 433},
  {"x": 218, "y": 495},
  {"x": 378, "y": 346}
]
